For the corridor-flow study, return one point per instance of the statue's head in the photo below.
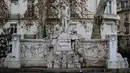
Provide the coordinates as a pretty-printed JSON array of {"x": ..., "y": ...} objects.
[{"x": 125, "y": 58}]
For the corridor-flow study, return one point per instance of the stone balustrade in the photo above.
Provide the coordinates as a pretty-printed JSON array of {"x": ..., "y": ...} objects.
[{"x": 75, "y": 53}]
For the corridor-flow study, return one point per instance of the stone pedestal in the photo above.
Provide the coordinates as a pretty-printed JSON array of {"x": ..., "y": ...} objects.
[
  {"x": 112, "y": 62},
  {"x": 15, "y": 57},
  {"x": 14, "y": 64}
]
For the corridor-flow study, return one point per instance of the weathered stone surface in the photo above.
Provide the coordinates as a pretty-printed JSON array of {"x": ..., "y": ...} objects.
[
  {"x": 122, "y": 62},
  {"x": 94, "y": 52},
  {"x": 38, "y": 53},
  {"x": 34, "y": 53},
  {"x": 71, "y": 53},
  {"x": 67, "y": 21}
]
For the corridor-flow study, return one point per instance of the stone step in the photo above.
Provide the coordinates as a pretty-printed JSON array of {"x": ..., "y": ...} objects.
[
  {"x": 53, "y": 70},
  {"x": 48, "y": 72}
]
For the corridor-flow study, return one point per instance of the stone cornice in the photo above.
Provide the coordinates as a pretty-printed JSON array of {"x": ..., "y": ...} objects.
[
  {"x": 111, "y": 16},
  {"x": 93, "y": 40},
  {"x": 34, "y": 40}
]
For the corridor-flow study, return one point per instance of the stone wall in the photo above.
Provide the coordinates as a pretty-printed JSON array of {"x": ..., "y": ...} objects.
[
  {"x": 64, "y": 52},
  {"x": 40, "y": 53},
  {"x": 34, "y": 52},
  {"x": 95, "y": 52}
]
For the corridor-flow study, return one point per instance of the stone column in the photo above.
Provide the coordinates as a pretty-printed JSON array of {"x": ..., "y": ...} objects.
[
  {"x": 15, "y": 57},
  {"x": 92, "y": 4},
  {"x": 112, "y": 55},
  {"x": 114, "y": 7}
]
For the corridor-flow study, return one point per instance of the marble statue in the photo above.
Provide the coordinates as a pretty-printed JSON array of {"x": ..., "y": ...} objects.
[{"x": 65, "y": 16}]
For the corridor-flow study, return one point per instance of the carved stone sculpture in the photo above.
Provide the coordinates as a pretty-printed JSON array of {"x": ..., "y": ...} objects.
[
  {"x": 34, "y": 53},
  {"x": 122, "y": 62},
  {"x": 93, "y": 54},
  {"x": 126, "y": 63},
  {"x": 65, "y": 16}
]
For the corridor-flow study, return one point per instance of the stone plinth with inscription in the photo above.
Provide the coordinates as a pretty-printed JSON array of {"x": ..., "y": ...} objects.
[
  {"x": 64, "y": 42},
  {"x": 64, "y": 55}
]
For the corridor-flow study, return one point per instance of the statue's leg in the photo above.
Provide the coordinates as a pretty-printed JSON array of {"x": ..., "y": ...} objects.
[
  {"x": 66, "y": 24},
  {"x": 63, "y": 24}
]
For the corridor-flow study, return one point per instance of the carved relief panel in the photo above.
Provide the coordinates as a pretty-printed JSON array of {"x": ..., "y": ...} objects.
[
  {"x": 95, "y": 53},
  {"x": 33, "y": 52}
]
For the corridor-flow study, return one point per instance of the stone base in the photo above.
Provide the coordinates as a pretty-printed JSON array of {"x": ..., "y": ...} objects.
[
  {"x": 14, "y": 64},
  {"x": 70, "y": 65},
  {"x": 49, "y": 65},
  {"x": 2, "y": 65},
  {"x": 112, "y": 65},
  {"x": 56, "y": 66},
  {"x": 74, "y": 65},
  {"x": 33, "y": 63}
]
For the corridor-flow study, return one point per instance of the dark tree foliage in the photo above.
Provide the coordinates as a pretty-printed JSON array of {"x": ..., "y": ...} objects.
[
  {"x": 3, "y": 46},
  {"x": 4, "y": 50},
  {"x": 4, "y": 12}
]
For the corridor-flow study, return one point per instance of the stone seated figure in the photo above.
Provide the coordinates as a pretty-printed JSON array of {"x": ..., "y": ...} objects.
[{"x": 122, "y": 62}]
